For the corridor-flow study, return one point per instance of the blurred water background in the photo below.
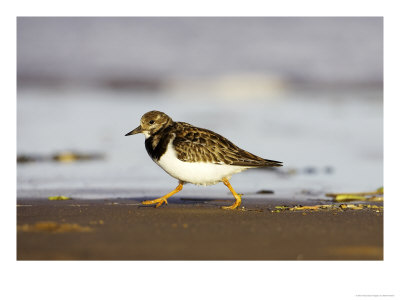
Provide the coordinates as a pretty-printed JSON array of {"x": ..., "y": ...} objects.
[{"x": 304, "y": 91}]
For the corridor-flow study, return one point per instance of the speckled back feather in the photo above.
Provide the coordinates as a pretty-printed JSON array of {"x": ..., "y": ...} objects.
[{"x": 195, "y": 144}]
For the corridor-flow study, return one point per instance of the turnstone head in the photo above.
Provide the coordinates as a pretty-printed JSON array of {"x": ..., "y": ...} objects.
[{"x": 194, "y": 155}]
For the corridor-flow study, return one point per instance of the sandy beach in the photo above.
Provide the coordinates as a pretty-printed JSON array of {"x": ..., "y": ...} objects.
[{"x": 122, "y": 229}]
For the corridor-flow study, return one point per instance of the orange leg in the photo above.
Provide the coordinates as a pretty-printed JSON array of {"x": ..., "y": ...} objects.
[
  {"x": 160, "y": 201},
  {"x": 237, "y": 197}
]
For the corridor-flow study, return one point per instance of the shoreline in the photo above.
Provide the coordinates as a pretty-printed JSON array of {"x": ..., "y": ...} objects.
[{"x": 122, "y": 229}]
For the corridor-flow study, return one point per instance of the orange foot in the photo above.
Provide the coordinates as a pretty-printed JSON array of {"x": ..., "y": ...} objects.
[
  {"x": 238, "y": 198},
  {"x": 160, "y": 201}
]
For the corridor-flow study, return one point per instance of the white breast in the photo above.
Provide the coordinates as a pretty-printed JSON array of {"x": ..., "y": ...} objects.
[{"x": 195, "y": 172}]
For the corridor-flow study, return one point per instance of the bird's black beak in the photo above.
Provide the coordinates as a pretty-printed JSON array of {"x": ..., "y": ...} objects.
[{"x": 135, "y": 131}]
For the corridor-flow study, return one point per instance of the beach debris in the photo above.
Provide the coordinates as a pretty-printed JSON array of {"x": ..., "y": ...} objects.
[
  {"x": 366, "y": 196},
  {"x": 286, "y": 172},
  {"x": 298, "y": 207},
  {"x": 70, "y": 156},
  {"x": 350, "y": 206},
  {"x": 27, "y": 158},
  {"x": 63, "y": 157},
  {"x": 349, "y": 197},
  {"x": 333, "y": 207},
  {"x": 307, "y": 170},
  {"x": 59, "y": 198},
  {"x": 265, "y": 192},
  {"x": 53, "y": 227}
]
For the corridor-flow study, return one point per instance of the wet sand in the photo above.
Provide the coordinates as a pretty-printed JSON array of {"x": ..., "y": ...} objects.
[{"x": 122, "y": 229}]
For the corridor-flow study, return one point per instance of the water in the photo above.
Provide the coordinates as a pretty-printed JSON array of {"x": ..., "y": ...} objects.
[
  {"x": 304, "y": 91},
  {"x": 332, "y": 141}
]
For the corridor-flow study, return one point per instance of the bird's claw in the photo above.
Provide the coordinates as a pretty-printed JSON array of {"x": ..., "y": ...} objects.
[{"x": 158, "y": 202}]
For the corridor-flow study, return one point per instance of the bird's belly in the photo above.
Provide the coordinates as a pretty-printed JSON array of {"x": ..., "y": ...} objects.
[{"x": 195, "y": 172}]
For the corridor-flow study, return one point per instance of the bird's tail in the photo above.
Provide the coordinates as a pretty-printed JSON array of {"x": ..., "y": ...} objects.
[{"x": 272, "y": 163}]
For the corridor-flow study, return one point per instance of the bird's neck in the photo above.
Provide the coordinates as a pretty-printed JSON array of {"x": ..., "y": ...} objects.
[{"x": 157, "y": 143}]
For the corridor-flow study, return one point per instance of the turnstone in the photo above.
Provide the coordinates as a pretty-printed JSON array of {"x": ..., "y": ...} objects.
[{"x": 194, "y": 155}]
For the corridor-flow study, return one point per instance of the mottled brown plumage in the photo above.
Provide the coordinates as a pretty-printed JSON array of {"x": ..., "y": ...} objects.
[{"x": 195, "y": 144}]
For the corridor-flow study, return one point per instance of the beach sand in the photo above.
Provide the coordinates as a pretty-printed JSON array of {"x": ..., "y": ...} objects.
[{"x": 122, "y": 229}]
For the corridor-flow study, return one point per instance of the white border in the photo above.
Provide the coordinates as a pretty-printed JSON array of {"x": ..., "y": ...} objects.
[{"x": 198, "y": 280}]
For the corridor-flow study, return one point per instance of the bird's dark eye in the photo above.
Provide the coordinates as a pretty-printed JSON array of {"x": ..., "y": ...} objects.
[{"x": 151, "y": 122}]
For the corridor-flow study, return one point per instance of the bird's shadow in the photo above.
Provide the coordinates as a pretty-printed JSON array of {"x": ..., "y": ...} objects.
[
  {"x": 129, "y": 201},
  {"x": 189, "y": 201}
]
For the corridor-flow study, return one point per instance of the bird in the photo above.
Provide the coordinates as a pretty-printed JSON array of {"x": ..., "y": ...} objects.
[{"x": 194, "y": 155}]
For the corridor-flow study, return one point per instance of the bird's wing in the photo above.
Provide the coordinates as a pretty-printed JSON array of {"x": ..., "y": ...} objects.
[{"x": 202, "y": 145}]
